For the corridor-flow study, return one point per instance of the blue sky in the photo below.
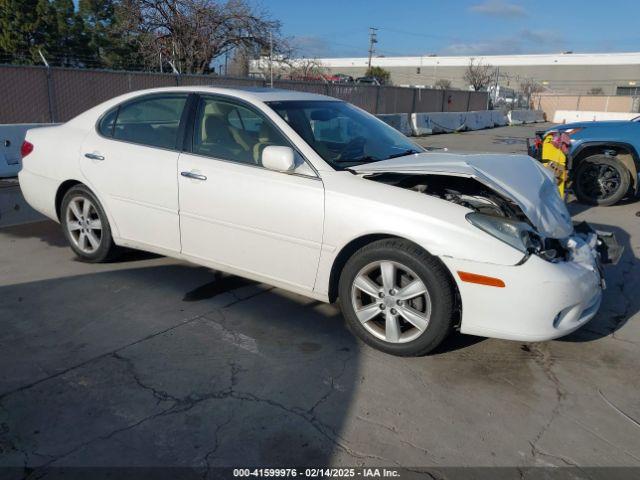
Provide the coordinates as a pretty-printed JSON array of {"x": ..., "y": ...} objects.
[{"x": 322, "y": 28}]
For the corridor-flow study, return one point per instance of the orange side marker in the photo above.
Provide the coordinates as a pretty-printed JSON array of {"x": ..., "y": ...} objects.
[{"x": 481, "y": 279}]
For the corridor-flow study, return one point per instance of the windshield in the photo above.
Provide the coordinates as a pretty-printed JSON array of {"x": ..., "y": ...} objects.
[{"x": 342, "y": 134}]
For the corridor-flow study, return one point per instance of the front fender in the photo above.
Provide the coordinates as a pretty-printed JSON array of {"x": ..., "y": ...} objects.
[
  {"x": 356, "y": 207},
  {"x": 632, "y": 163}
]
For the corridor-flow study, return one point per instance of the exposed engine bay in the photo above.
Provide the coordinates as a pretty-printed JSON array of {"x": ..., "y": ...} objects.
[
  {"x": 464, "y": 191},
  {"x": 468, "y": 192}
]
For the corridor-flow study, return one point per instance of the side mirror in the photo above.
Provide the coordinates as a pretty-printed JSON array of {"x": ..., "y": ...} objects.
[{"x": 280, "y": 159}]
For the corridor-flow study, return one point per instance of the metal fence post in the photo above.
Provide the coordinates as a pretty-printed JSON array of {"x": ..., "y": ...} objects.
[
  {"x": 52, "y": 117},
  {"x": 413, "y": 100}
]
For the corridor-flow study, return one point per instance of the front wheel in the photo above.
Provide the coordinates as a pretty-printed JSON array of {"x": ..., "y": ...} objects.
[
  {"x": 601, "y": 180},
  {"x": 85, "y": 226},
  {"x": 397, "y": 298}
]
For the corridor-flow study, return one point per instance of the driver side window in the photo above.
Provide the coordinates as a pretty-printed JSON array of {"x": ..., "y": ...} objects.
[{"x": 230, "y": 131}]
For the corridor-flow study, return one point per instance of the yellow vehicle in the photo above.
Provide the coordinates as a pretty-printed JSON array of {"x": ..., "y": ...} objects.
[{"x": 551, "y": 150}]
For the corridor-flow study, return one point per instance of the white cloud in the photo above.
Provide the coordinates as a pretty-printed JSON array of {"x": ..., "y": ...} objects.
[
  {"x": 499, "y": 47},
  {"x": 525, "y": 41},
  {"x": 541, "y": 37},
  {"x": 310, "y": 46},
  {"x": 499, "y": 8}
]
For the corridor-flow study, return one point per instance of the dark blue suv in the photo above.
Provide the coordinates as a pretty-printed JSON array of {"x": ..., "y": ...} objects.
[{"x": 603, "y": 159}]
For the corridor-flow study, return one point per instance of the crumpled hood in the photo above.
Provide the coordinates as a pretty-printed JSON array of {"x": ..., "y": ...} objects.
[{"x": 517, "y": 177}]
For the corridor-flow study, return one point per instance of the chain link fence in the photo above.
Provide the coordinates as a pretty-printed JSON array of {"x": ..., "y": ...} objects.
[{"x": 36, "y": 94}]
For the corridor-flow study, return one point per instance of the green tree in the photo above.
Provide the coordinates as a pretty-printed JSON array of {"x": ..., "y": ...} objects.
[
  {"x": 63, "y": 31},
  {"x": 50, "y": 26},
  {"x": 106, "y": 38},
  {"x": 21, "y": 31},
  {"x": 380, "y": 73}
]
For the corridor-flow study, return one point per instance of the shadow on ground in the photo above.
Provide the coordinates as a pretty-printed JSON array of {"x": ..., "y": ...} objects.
[
  {"x": 137, "y": 367},
  {"x": 620, "y": 303}
]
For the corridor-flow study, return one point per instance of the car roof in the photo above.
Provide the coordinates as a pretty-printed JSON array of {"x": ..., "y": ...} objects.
[{"x": 260, "y": 94}]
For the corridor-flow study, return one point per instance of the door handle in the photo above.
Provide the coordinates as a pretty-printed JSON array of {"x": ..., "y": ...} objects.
[
  {"x": 195, "y": 176},
  {"x": 94, "y": 156}
]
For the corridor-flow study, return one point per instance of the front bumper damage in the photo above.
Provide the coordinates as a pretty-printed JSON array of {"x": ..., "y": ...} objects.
[{"x": 541, "y": 299}]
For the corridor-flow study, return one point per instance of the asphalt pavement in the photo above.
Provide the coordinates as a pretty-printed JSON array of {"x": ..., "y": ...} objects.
[{"x": 150, "y": 361}]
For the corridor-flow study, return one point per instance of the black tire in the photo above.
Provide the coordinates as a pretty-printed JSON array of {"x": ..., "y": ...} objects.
[
  {"x": 106, "y": 250},
  {"x": 601, "y": 180},
  {"x": 429, "y": 270}
]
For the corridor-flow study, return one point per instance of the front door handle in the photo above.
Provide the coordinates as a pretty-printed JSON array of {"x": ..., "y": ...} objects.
[
  {"x": 94, "y": 156},
  {"x": 195, "y": 176}
]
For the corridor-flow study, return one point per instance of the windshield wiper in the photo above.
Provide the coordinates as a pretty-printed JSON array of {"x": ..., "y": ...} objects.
[
  {"x": 366, "y": 159},
  {"x": 411, "y": 151}
]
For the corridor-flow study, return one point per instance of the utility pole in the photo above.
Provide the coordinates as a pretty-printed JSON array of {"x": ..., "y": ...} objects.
[
  {"x": 373, "y": 39},
  {"x": 270, "y": 59}
]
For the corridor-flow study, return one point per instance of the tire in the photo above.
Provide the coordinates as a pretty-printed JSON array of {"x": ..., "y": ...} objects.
[
  {"x": 601, "y": 180},
  {"x": 410, "y": 264},
  {"x": 89, "y": 235}
]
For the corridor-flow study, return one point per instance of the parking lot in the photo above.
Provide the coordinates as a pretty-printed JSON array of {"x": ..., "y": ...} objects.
[{"x": 150, "y": 361}]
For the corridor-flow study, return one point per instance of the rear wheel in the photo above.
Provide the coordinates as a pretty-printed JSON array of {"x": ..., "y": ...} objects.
[
  {"x": 601, "y": 180},
  {"x": 85, "y": 225},
  {"x": 397, "y": 298}
]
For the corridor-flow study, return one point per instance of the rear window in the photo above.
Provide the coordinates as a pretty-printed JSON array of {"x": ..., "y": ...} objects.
[
  {"x": 106, "y": 124},
  {"x": 153, "y": 121}
]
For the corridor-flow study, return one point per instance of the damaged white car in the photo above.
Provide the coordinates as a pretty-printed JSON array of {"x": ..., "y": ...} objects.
[{"x": 318, "y": 197}]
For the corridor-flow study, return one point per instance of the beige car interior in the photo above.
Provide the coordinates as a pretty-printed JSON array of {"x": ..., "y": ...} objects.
[{"x": 224, "y": 133}]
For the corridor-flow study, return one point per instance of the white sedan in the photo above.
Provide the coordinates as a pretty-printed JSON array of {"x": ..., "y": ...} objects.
[{"x": 313, "y": 195}]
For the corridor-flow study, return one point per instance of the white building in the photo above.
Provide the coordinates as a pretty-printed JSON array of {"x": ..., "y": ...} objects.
[{"x": 614, "y": 73}]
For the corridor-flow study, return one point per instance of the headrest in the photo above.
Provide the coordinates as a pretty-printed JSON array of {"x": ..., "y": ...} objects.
[{"x": 216, "y": 129}]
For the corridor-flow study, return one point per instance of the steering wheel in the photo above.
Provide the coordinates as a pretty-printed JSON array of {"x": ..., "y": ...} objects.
[{"x": 353, "y": 149}]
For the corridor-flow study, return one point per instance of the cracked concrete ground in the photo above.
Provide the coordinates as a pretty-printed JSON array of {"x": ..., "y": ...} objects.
[{"x": 155, "y": 362}]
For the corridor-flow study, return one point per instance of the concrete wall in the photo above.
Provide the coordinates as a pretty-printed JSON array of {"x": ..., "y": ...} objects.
[
  {"x": 427, "y": 123},
  {"x": 569, "y": 116},
  {"x": 593, "y": 103}
]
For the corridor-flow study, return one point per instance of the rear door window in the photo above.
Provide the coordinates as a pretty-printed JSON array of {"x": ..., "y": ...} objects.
[{"x": 152, "y": 121}]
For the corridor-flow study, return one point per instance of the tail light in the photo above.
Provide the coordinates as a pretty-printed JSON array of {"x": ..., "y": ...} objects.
[{"x": 26, "y": 148}]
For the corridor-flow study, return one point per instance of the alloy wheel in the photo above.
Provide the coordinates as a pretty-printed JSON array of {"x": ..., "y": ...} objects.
[
  {"x": 83, "y": 224},
  {"x": 600, "y": 181},
  {"x": 391, "y": 301}
]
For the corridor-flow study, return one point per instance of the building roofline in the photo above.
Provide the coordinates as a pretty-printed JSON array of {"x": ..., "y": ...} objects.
[{"x": 622, "y": 58}]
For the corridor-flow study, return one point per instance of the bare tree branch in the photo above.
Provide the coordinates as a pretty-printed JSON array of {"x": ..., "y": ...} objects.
[
  {"x": 478, "y": 75},
  {"x": 193, "y": 33},
  {"x": 443, "y": 84}
]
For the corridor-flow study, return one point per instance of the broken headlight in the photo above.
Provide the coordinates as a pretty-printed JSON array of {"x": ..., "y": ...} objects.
[{"x": 519, "y": 235}]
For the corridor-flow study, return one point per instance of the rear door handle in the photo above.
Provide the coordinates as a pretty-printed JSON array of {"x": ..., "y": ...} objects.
[
  {"x": 195, "y": 176},
  {"x": 94, "y": 156}
]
